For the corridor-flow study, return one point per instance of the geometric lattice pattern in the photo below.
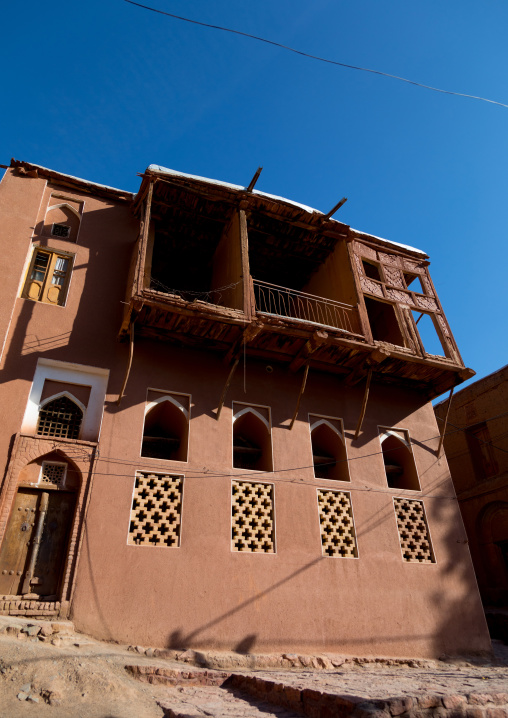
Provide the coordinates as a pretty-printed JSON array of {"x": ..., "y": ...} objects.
[
  {"x": 413, "y": 531},
  {"x": 52, "y": 473},
  {"x": 338, "y": 536},
  {"x": 60, "y": 418},
  {"x": 252, "y": 517},
  {"x": 156, "y": 510}
]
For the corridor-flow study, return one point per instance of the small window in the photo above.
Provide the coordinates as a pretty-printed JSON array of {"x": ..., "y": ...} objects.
[
  {"x": 60, "y": 418},
  {"x": 53, "y": 474},
  {"x": 383, "y": 322},
  {"x": 61, "y": 230},
  {"x": 252, "y": 443},
  {"x": 48, "y": 277},
  {"x": 328, "y": 448},
  {"x": 429, "y": 335},
  {"x": 371, "y": 270},
  {"x": 166, "y": 430},
  {"x": 415, "y": 281},
  {"x": 398, "y": 459}
]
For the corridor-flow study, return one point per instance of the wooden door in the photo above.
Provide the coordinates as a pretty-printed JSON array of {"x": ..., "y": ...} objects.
[
  {"x": 15, "y": 550},
  {"x": 36, "y": 559}
]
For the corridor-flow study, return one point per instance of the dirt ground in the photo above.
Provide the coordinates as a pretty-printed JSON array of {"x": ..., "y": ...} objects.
[{"x": 50, "y": 670}]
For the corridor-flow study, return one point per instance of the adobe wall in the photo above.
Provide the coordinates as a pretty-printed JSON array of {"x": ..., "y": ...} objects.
[{"x": 204, "y": 595}]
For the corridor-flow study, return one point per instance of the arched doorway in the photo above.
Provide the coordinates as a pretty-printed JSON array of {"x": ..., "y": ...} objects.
[{"x": 34, "y": 550}]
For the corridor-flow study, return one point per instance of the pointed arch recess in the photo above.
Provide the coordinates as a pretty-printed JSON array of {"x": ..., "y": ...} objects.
[
  {"x": 252, "y": 439},
  {"x": 398, "y": 459},
  {"x": 329, "y": 452},
  {"x": 166, "y": 429}
]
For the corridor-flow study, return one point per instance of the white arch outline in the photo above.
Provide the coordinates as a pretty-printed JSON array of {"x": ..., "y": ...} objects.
[
  {"x": 171, "y": 400},
  {"x": 387, "y": 432},
  {"x": 325, "y": 422},
  {"x": 249, "y": 409},
  {"x": 64, "y": 204},
  {"x": 69, "y": 396}
]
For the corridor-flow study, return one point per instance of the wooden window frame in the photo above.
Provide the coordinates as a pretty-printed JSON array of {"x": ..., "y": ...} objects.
[{"x": 46, "y": 284}]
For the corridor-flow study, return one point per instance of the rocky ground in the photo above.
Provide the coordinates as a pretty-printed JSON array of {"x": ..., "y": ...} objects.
[{"x": 47, "y": 669}]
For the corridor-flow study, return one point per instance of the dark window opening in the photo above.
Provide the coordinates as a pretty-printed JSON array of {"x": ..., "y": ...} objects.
[
  {"x": 61, "y": 230},
  {"x": 399, "y": 464},
  {"x": 329, "y": 454},
  {"x": 251, "y": 443},
  {"x": 481, "y": 451},
  {"x": 166, "y": 431},
  {"x": 415, "y": 281},
  {"x": 60, "y": 418},
  {"x": 371, "y": 270},
  {"x": 429, "y": 336},
  {"x": 383, "y": 322}
]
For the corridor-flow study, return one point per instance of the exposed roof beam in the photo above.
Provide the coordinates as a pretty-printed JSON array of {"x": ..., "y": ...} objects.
[{"x": 254, "y": 179}]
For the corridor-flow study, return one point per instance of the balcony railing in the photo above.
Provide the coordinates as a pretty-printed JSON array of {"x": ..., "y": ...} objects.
[{"x": 299, "y": 306}]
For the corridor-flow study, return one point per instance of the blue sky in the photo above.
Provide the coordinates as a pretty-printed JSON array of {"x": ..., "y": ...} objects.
[{"x": 102, "y": 89}]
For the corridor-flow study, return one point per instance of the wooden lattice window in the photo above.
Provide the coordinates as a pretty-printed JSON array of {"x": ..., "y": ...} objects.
[
  {"x": 338, "y": 536},
  {"x": 156, "y": 510},
  {"x": 413, "y": 531},
  {"x": 60, "y": 230},
  {"x": 60, "y": 418},
  {"x": 253, "y": 526},
  {"x": 53, "y": 473},
  {"x": 48, "y": 277}
]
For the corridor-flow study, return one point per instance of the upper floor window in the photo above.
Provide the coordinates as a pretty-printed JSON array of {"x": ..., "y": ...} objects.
[
  {"x": 48, "y": 277},
  {"x": 166, "y": 430},
  {"x": 252, "y": 440},
  {"x": 398, "y": 459},
  {"x": 60, "y": 417},
  {"x": 328, "y": 448}
]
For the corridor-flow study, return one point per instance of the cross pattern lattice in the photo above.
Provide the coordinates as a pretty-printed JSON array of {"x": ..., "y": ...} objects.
[
  {"x": 252, "y": 517},
  {"x": 53, "y": 473},
  {"x": 338, "y": 536},
  {"x": 413, "y": 531},
  {"x": 156, "y": 510}
]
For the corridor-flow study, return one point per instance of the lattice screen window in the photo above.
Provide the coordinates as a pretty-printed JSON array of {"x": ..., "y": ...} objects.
[
  {"x": 60, "y": 418},
  {"x": 413, "y": 531},
  {"x": 156, "y": 510},
  {"x": 53, "y": 473},
  {"x": 338, "y": 536},
  {"x": 253, "y": 517},
  {"x": 60, "y": 230}
]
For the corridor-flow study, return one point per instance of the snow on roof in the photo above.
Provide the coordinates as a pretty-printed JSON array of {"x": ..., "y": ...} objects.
[
  {"x": 306, "y": 208},
  {"x": 78, "y": 179}
]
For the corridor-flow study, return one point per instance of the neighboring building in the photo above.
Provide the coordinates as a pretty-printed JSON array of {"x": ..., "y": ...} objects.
[
  {"x": 476, "y": 445},
  {"x": 216, "y": 424}
]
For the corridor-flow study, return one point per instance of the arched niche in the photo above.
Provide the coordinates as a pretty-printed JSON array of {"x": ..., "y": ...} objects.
[
  {"x": 328, "y": 449},
  {"x": 399, "y": 461},
  {"x": 166, "y": 430},
  {"x": 34, "y": 551},
  {"x": 252, "y": 441},
  {"x": 62, "y": 221},
  {"x": 60, "y": 416}
]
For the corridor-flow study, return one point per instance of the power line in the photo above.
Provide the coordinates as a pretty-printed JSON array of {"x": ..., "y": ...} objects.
[{"x": 315, "y": 57}]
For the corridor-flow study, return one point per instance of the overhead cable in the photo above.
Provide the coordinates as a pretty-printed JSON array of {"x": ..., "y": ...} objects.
[{"x": 314, "y": 57}]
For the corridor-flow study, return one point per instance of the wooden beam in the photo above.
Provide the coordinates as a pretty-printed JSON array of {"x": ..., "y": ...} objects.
[
  {"x": 334, "y": 209},
  {"x": 376, "y": 357},
  {"x": 317, "y": 340},
  {"x": 140, "y": 269},
  {"x": 250, "y": 332},
  {"x": 254, "y": 180},
  {"x": 226, "y": 387},
  {"x": 443, "y": 432},
  {"x": 364, "y": 404},
  {"x": 302, "y": 389},
  {"x": 129, "y": 364}
]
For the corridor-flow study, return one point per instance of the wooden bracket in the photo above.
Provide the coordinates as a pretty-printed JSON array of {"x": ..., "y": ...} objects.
[
  {"x": 364, "y": 404},
  {"x": 249, "y": 333},
  {"x": 226, "y": 387},
  {"x": 129, "y": 364},
  {"x": 316, "y": 340},
  {"x": 302, "y": 389},
  {"x": 443, "y": 431},
  {"x": 374, "y": 358}
]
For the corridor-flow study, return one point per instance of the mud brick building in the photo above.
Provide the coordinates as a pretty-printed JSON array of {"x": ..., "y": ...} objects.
[
  {"x": 216, "y": 427},
  {"x": 476, "y": 445}
]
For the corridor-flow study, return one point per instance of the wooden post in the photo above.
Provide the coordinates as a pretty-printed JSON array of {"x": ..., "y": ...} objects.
[
  {"x": 226, "y": 387},
  {"x": 364, "y": 404},
  {"x": 140, "y": 273},
  {"x": 443, "y": 432},
  {"x": 302, "y": 389},
  {"x": 36, "y": 542},
  {"x": 129, "y": 364}
]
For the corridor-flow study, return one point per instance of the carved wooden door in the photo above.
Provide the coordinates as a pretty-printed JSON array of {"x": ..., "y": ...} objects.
[{"x": 34, "y": 549}]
